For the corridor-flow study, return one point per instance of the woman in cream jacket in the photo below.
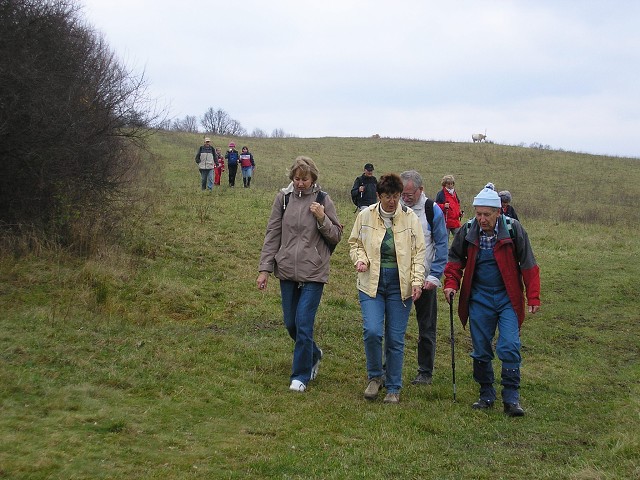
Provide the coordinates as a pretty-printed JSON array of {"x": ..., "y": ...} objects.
[{"x": 387, "y": 248}]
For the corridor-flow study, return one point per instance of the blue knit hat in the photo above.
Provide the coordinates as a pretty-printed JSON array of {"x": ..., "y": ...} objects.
[{"x": 487, "y": 198}]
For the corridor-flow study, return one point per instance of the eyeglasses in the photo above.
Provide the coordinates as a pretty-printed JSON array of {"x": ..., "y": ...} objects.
[
  {"x": 387, "y": 197},
  {"x": 410, "y": 195}
]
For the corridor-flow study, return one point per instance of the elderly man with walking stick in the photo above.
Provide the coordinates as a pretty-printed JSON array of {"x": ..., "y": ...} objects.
[{"x": 489, "y": 260}]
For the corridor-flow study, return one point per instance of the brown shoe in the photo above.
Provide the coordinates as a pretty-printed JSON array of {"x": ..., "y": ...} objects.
[
  {"x": 371, "y": 393},
  {"x": 392, "y": 398}
]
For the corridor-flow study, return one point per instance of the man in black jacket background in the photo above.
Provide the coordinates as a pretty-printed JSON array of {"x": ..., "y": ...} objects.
[{"x": 363, "y": 192}]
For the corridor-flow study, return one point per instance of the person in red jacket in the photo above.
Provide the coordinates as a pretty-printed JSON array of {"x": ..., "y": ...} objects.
[
  {"x": 217, "y": 171},
  {"x": 448, "y": 200},
  {"x": 489, "y": 259}
]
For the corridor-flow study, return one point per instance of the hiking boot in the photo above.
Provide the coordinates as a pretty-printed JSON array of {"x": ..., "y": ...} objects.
[
  {"x": 482, "y": 404},
  {"x": 316, "y": 366},
  {"x": 513, "y": 410},
  {"x": 371, "y": 393},
  {"x": 392, "y": 398},
  {"x": 422, "y": 379},
  {"x": 297, "y": 386}
]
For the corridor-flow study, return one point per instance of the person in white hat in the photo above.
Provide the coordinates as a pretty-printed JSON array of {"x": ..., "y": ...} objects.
[
  {"x": 489, "y": 260},
  {"x": 206, "y": 160}
]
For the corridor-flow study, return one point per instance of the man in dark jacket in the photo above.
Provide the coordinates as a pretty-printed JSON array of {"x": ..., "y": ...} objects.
[
  {"x": 363, "y": 192},
  {"x": 495, "y": 255}
]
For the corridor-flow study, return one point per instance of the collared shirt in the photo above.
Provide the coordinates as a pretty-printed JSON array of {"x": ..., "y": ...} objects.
[{"x": 488, "y": 242}]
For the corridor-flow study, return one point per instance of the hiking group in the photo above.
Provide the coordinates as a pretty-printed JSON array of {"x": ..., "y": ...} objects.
[
  {"x": 398, "y": 246},
  {"x": 211, "y": 164}
]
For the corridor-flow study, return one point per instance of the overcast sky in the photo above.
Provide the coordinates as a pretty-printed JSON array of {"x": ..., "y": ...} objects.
[{"x": 558, "y": 73}]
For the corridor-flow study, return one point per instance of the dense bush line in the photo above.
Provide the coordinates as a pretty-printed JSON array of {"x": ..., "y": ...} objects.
[{"x": 70, "y": 117}]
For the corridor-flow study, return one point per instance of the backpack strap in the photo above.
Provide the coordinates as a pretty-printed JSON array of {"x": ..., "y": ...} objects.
[
  {"x": 428, "y": 210},
  {"x": 286, "y": 202},
  {"x": 508, "y": 223}
]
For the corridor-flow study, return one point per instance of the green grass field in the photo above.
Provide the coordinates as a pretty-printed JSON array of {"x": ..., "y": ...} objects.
[{"x": 159, "y": 358}]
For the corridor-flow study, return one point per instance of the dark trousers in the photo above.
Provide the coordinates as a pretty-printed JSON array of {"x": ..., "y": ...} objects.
[
  {"x": 427, "y": 315},
  {"x": 233, "y": 169}
]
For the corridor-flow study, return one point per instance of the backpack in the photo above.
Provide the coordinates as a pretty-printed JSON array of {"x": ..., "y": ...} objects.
[{"x": 319, "y": 199}]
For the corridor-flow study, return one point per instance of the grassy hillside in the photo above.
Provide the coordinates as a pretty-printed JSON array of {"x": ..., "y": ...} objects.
[{"x": 158, "y": 358}]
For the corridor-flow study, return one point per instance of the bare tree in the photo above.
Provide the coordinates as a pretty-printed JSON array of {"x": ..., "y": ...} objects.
[
  {"x": 215, "y": 121},
  {"x": 187, "y": 124},
  {"x": 236, "y": 129},
  {"x": 164, "y": 124},
  {"x": 218, "y": 122},
  {"x": 258, "y": 133},
  {"x": 278, "y": 133}
]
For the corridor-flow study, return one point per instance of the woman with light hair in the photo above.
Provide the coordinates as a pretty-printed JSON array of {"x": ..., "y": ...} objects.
[
  {"x": 302, "y": 231},
  {"x": 449, "y": 202}
]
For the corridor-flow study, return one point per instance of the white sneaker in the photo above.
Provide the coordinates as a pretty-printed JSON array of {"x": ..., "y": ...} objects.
[
  {"x": 297, "y": 386},
  {"x": 316, "y": 366}
]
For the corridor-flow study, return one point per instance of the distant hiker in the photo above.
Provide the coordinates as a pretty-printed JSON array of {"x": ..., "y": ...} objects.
[
  {"x": 302, "y": 230},
  {"x": 507, "y": 209},
  {"x": 232, "y": 158},
  {"x": 248, "y": 165},
  {"x": 387, "y": 249},
  {"x": 217, "y": 171},
  {"x": 489, "y": 260},
  {"x": 207, "y": 161},
  {"x": 436, "y": 238},
  {"x": 363, "y": 192},
  {"x": 449, "y": 202}
]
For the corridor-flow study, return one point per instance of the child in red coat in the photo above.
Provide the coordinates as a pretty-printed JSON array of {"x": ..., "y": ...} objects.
[{"x": 217, "y": 171}]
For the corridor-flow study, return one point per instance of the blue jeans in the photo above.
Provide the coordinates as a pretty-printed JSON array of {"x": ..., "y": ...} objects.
[
  {"x": 490, "y": 308},
  {"x": 206, "y": 178},
  {"x": 385, "y": 316},
  {"x": 300, "y": 303}
]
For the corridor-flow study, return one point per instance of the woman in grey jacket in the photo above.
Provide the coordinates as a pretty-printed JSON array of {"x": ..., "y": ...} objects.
[{"x": 296, "y": 250}]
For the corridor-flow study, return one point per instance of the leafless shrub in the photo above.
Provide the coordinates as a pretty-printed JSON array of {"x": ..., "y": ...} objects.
[{"x": 71, "y": 119}]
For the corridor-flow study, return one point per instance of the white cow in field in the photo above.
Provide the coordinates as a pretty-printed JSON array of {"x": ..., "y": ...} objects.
[{"x": 479, "y": 137}]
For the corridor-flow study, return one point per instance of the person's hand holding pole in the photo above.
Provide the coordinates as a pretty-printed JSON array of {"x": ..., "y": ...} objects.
[{"x": 449, "y": 293}]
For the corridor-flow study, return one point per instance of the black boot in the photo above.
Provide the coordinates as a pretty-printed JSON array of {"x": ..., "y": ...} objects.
[
  {"x": 510, "y": 391},
  {"x": 513, "y": 410},
  {"x": 483, "y": 374},
  {"x": 248, "y": 182}
]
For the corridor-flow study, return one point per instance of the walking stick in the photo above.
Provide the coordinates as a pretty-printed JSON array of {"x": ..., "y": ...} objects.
[{"x": 453, "y": 353}]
